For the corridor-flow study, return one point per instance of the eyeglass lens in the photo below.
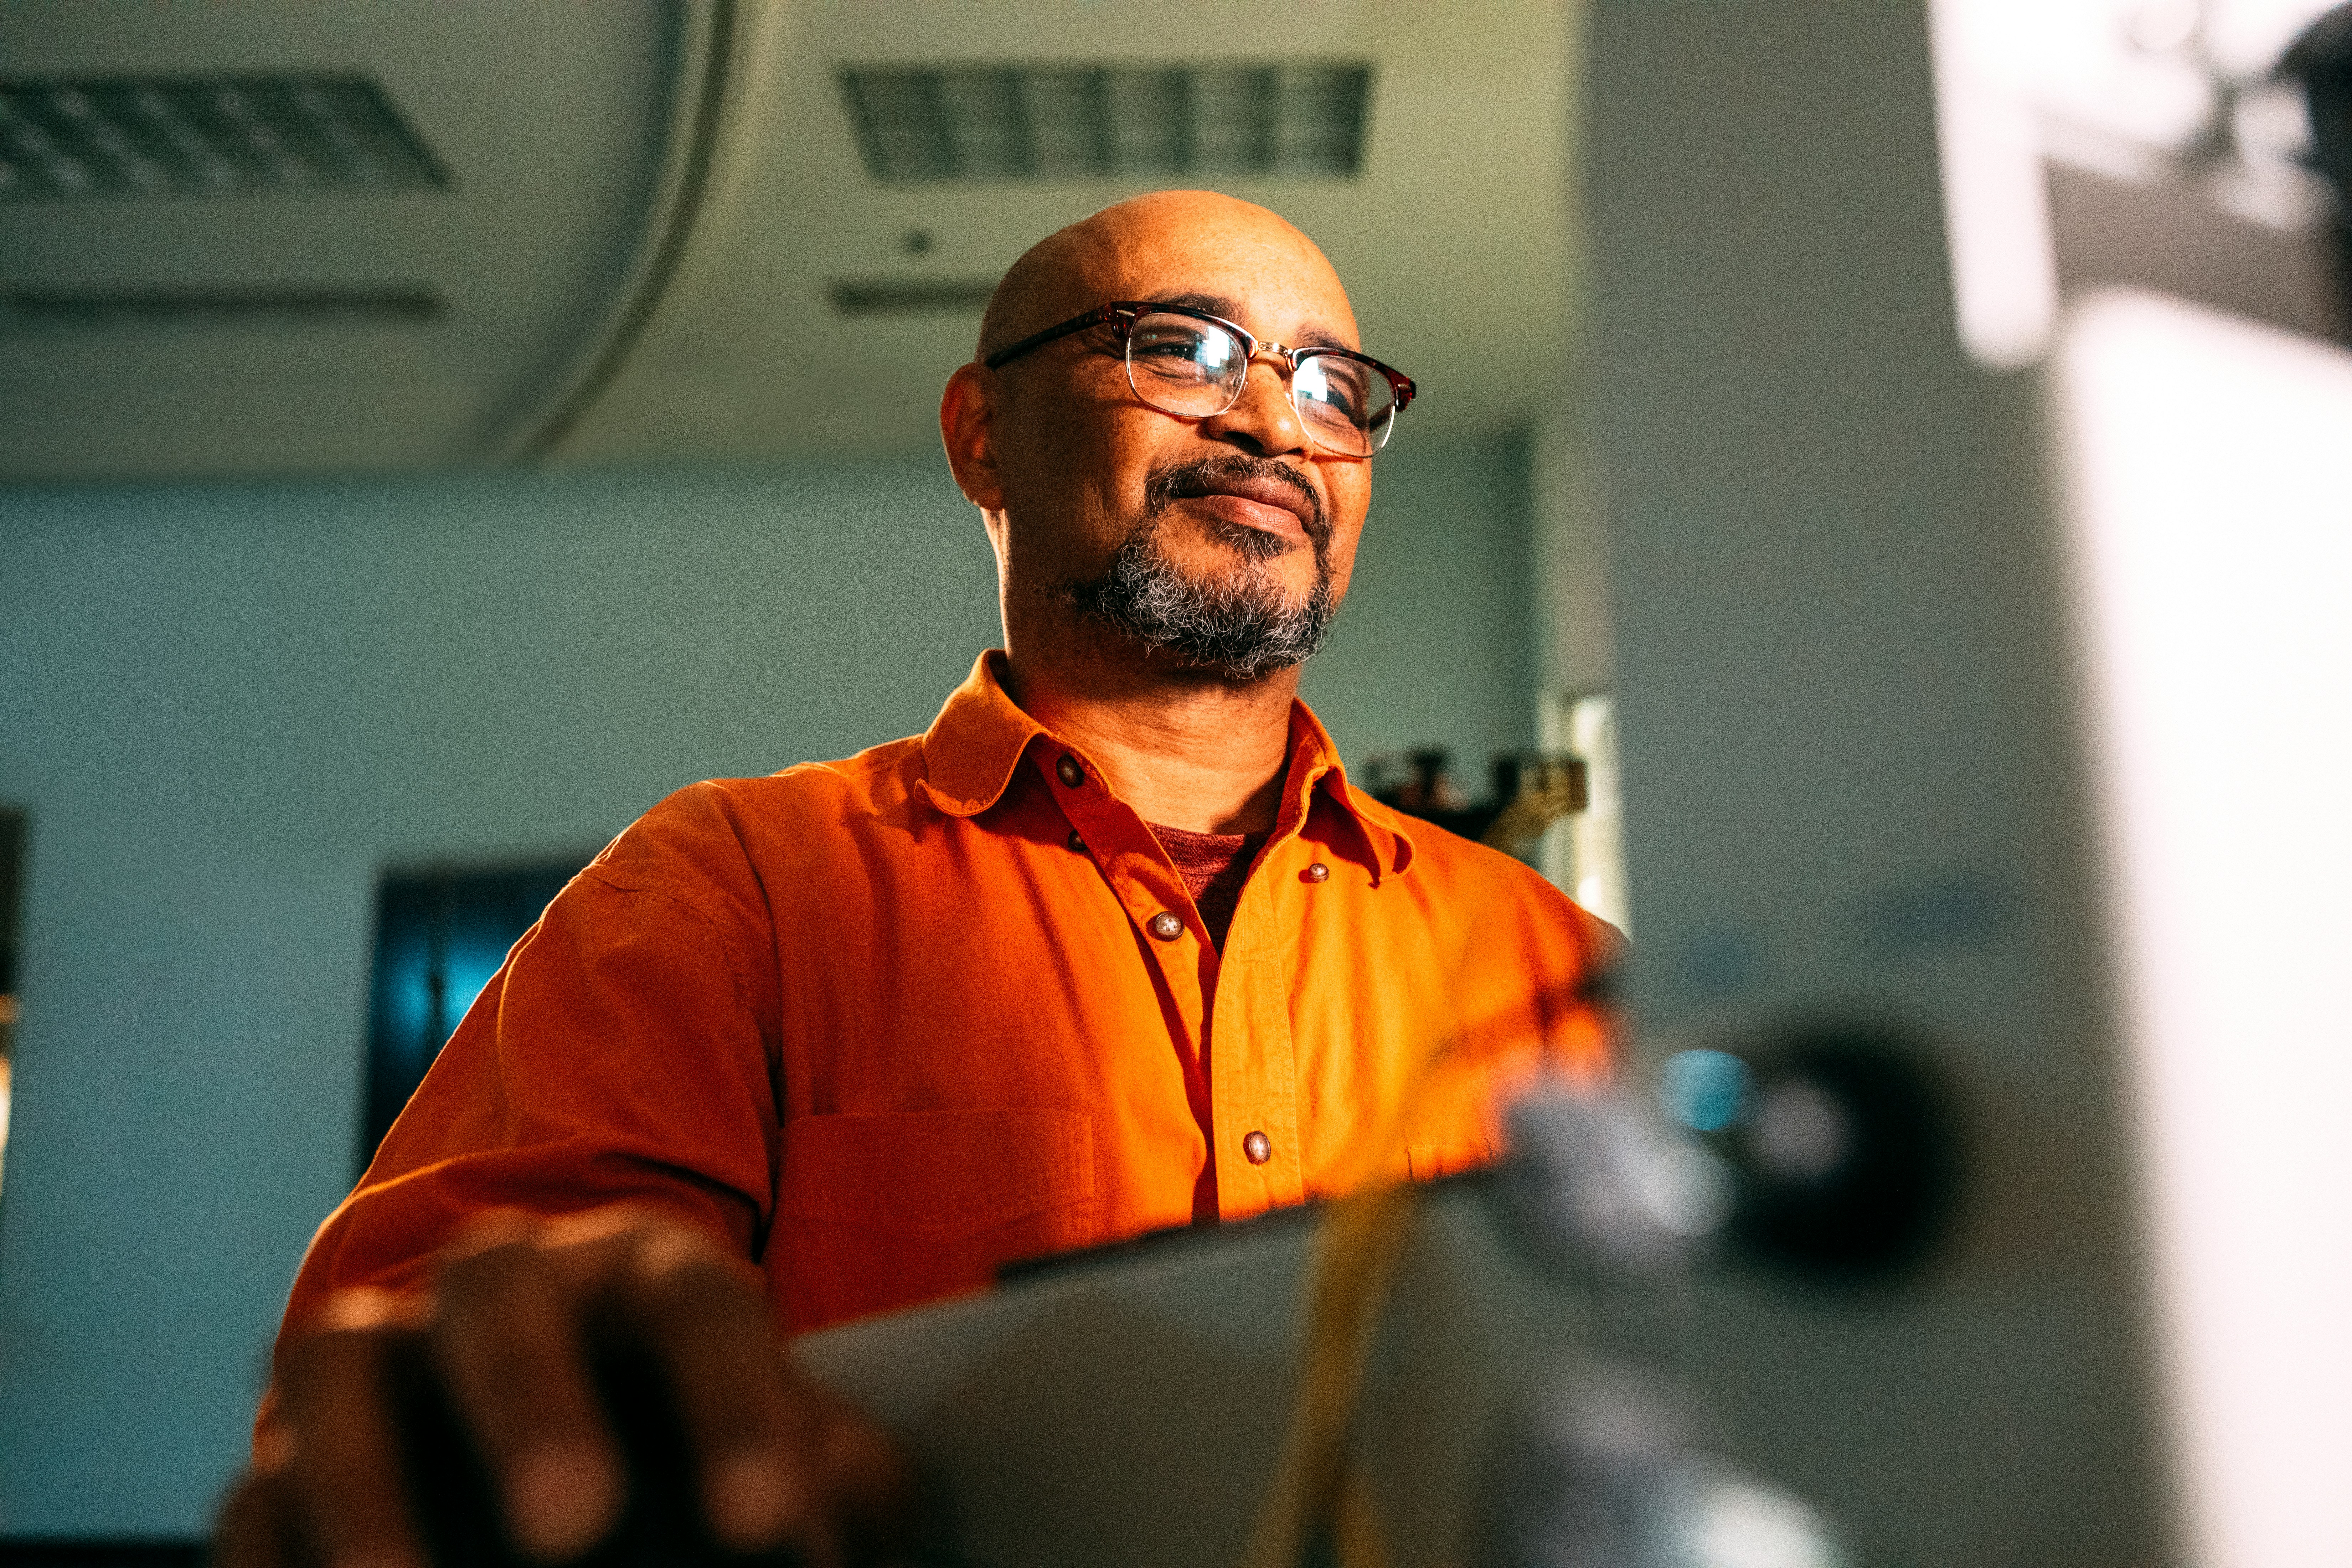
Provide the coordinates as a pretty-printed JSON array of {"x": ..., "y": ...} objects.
[{"x": 1186, "y": 367}]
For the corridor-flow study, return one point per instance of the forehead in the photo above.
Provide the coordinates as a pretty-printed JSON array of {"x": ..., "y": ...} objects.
[{"x": 1258, "y": 272}]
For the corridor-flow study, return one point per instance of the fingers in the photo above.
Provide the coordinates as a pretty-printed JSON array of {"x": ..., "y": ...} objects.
[
  {"x": 867, "y": 1484},
  {"x": 524, "y": 1318},
  {"x": 706, "y": 1322},
  {"x": 261, "y": 1526},
  {"x": 508, "y": 1347},
  {"x": 778, "y": 1459},
  {"x": 514, "y": 1312},
  {"x": 344, "y": 1471}
]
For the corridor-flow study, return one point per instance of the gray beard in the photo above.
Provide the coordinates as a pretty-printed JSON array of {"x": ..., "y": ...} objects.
[{"x": 1238, "y": 625}]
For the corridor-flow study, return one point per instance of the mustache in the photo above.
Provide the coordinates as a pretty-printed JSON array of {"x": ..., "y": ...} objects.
[{"x": 1207, "y": 475}]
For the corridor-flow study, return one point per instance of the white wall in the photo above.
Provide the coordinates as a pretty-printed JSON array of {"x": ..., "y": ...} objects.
[
  {"x": 228, "y": 706},
  {"x": 1568, "y": 525}
]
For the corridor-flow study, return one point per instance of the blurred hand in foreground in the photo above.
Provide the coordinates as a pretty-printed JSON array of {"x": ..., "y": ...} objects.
[{"x": 516, "y": 1342}]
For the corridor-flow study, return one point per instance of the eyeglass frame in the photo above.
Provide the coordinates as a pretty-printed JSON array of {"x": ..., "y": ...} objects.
[{"x": 1122, "y": 315}]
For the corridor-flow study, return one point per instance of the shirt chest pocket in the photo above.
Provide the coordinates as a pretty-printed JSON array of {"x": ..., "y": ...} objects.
[{"x": 880, "y": 1211}]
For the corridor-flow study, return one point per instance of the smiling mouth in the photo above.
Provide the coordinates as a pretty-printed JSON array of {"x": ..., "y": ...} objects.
[
  {"x": 1249, "y": 511},
  {"x": 1264, "y": 496}
]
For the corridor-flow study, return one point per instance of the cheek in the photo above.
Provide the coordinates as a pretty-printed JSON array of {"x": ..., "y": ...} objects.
[
  {"x": 1343, "y": 565},
  {"x": 1350, "y": 496},
  {"x": 1110, "y": 468},
  {"x": 1075, "y": 487},
  {"x": 1043, "y": 449},
  {"x": 1080, "y": 458}
]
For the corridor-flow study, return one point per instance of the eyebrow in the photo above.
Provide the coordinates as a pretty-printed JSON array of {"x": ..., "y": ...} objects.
[{"x": 1218, "y": 305}]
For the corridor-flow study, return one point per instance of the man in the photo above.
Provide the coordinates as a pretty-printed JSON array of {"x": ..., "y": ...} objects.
[{"x": 1113, "y": 946}]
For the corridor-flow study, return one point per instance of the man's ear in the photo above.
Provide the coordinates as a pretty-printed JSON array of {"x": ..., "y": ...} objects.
[{"x": 968, "y": 428}]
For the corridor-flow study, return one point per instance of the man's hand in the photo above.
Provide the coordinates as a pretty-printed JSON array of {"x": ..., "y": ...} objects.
[{"x": 511, "y": 1331}]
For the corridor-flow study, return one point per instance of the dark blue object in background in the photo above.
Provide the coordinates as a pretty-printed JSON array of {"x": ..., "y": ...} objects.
[{"x": 439, "y": 936}]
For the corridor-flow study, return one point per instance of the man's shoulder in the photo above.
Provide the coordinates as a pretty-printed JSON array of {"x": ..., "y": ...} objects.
[
  {"x": 879, "y": 778},
  {"x": 754, "y": 819},
  {"x": 1440, "y": 853},
  {"x": 879, "y": 775},
  {"x": 1462, "y": 871}
]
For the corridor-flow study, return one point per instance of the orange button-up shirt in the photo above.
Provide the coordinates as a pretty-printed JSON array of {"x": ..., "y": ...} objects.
[{"x": 884, "y": 1024}]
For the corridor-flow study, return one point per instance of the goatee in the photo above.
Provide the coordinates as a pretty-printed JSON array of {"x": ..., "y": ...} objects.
[{"x": 1239, "y": 625}]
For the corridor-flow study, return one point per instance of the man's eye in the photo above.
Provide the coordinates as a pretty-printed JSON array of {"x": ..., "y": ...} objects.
[{"x": 1333, "y": 395}]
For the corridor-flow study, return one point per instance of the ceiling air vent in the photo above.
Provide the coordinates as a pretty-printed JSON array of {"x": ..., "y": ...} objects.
[
  {"x": 62, "y": 138},
  {"x": 974, "y": 124},
  {"x": 37, "y": 310}
]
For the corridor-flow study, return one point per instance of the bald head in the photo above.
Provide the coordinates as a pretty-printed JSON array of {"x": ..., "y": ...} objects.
[
  {"x": 1153, "y": 244},
  {"x": 1144, "y": 544}
]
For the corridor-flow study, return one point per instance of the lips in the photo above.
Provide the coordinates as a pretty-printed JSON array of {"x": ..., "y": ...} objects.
[{"x": 1281, "y": 493}]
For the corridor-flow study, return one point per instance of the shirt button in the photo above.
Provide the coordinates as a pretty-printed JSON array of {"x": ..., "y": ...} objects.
[
  {"x": 1318, "y": 872},
  {"x": 1072, "y": 775},
  {"x": 1258, "y": 1147},
  {"x": 1078, "y": 843},
  {"x": 1167, "y": 925}
]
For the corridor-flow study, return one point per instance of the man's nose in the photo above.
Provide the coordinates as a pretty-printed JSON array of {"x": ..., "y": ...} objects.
[{"x": 1263, "y": 418}]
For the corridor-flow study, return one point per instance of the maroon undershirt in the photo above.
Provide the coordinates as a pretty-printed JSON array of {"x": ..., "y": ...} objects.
[{"x": 1214, "y": 866}]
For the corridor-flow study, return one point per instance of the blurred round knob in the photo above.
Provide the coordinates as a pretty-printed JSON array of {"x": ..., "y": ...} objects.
[{"x": 1842, "y": 1140}]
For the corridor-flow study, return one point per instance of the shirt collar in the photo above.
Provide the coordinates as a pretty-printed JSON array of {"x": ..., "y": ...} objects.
[{"x": 972, "y": 747}]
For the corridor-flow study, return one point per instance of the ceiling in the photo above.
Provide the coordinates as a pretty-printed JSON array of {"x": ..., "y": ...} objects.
[
  {"x": 650, "y": 206},
  {"x": 546, "y": 208},
  {"x": 1453, "y": 242}
]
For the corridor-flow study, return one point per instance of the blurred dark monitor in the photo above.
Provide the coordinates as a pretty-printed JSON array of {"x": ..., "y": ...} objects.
[
  {"x": 12, "y": 874},
  {"x": 440, "y": 934}
]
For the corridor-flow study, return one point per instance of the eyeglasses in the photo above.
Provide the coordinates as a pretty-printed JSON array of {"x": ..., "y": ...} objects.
[{"x": 1193, "y": 365}]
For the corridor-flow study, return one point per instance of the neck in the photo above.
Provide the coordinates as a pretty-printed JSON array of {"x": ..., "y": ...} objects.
[{"x": 1184, "y": 750}]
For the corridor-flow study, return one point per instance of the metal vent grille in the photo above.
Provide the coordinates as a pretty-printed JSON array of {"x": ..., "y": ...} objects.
[
  {"x": 62, "y": 138},
  {"x": 986, "y": 123},
  {"x": 39, "y": 310}
]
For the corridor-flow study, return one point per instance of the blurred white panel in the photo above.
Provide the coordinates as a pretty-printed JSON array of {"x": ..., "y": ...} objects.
[
  {"x": 1995, "y": 214},
  {"x": 2210, "y": 532},
  {"x": 2140, "y": 143}
]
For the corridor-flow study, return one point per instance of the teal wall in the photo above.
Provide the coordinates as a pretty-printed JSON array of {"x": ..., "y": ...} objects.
[{"x": 228, "y": 706}]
